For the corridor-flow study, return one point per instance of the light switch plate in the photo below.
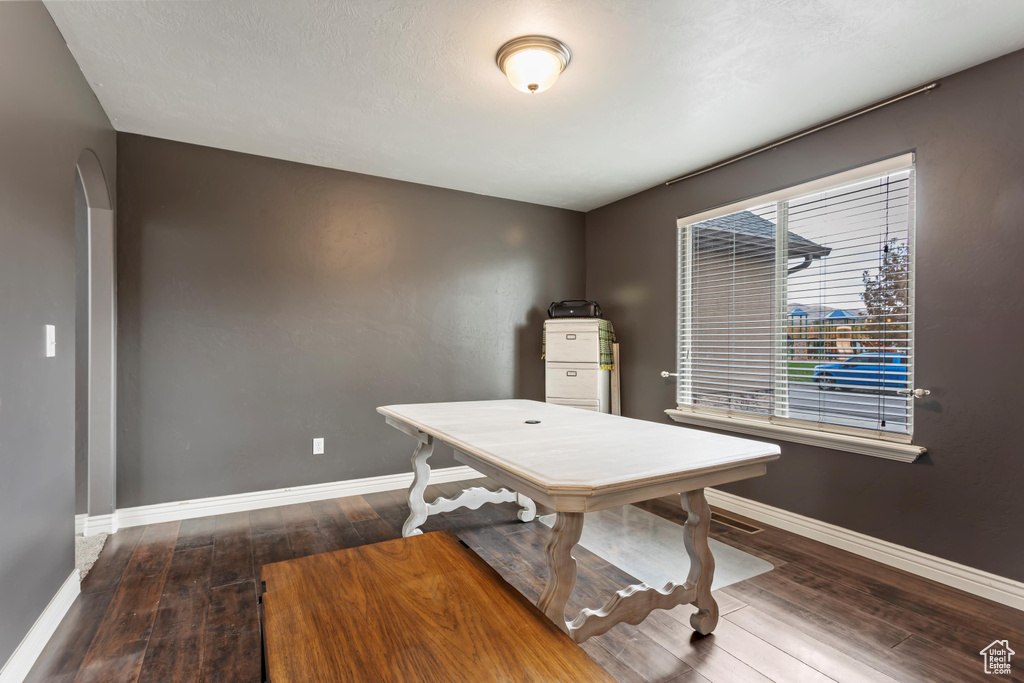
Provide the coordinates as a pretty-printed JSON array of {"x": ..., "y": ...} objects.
[
  {"x": 318, "y": 446},
  {"x": 51, "y": 341}
]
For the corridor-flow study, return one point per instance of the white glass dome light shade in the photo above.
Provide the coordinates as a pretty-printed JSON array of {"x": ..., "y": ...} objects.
[
  {"x": 533, "y": 63},
  {"x": 532, "y": 70}
]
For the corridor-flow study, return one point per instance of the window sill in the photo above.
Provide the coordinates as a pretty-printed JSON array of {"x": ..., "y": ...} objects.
[{"x": 879, "y": 448}]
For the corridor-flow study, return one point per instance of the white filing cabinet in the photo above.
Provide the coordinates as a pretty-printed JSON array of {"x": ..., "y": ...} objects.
[{"x": 572, "y": 366}]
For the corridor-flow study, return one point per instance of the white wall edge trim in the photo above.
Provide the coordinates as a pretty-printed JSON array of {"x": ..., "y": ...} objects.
[
  {"x": 80, "y": 523},
  {"x": 98, "y": 524},
  {"x": 28, "y": 651},
  {"x": 879, "y": 448},
  {"x": 243, "y": 502},
  {"x": 975, "y": 581}
]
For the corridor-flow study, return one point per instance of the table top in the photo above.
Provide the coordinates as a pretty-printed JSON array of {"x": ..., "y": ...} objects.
[
  {"x": 572, "y": 449},
  {"x": 424, "y": 608}
]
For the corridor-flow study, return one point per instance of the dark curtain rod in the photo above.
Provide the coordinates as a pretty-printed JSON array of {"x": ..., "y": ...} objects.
[{"x": 807, "y": 131}]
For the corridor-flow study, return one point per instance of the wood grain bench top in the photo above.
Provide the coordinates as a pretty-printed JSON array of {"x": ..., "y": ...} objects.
[{"x": 424, "y": 608}]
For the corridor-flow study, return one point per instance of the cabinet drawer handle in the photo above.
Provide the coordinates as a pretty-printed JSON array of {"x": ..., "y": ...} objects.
[
  {"x": 570, "y": 337},
  {"x": 570, "y": 373}
]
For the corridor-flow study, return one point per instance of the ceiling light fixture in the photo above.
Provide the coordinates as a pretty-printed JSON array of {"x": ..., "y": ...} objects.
[{"x": 533, "y": 63}]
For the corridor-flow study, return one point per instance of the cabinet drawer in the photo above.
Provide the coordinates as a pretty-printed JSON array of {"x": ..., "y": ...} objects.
[
  {"x": 572, "y": 347},
  {"x": 583, "y": 404},
  {"x": 574, "y": 382}
]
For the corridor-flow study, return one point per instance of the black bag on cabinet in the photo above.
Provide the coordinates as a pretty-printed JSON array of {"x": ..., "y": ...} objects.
[{"x": 576, "y": 308}]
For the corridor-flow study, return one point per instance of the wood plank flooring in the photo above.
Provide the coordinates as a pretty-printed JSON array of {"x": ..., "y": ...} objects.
[
  {"x": 178, "y": 602},
  {"x": 409, "y": 609}
]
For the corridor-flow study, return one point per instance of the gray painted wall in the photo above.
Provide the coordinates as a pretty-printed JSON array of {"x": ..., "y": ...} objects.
[
  {"x": 262, "y": 303},
  {"x": 48, "y": 115},
  {"x": 962, "y": 501}
]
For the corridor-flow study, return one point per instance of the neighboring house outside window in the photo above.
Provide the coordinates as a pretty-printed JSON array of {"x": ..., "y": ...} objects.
[
  {"x": 733, "y": 299},
  {"x": 796, "y": 308}
]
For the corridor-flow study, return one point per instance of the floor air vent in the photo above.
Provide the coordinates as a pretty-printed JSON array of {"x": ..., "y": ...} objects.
[{"x": 734, "y": 523}]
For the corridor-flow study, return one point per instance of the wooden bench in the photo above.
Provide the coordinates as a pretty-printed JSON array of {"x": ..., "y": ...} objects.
[{"x": 424, "y": 608}]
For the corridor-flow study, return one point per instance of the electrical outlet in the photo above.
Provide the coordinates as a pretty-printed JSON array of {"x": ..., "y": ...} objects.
[{"x": 318, "y": 446}]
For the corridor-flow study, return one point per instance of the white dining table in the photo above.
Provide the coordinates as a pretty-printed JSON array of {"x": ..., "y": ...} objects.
[{"x": 576, "y": 461}]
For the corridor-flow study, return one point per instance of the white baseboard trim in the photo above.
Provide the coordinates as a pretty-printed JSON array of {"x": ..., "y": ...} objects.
[
  {"x": 99, "y": 524},
  {"x": 80, "y": 523},
  {"x": 242, "y": 502},
  {"x": 25, "y": 655},
  {"x": 974, "y": 581}
]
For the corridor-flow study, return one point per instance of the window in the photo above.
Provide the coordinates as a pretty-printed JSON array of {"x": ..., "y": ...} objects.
[{"x": 796, "y": 308}]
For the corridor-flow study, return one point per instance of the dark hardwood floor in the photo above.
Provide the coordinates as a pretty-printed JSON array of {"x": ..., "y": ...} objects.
[{"x": 178, "y": 602}]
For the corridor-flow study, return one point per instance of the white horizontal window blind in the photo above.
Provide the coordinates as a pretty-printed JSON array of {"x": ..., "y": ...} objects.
[{"x": 799, "y": 309}]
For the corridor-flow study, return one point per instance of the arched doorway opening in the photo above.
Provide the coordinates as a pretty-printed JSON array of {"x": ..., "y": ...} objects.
[{"x": 95, "y": 349}]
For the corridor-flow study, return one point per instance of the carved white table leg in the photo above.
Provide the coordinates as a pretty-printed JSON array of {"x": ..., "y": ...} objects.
[
  {"x": 561, "y": 566},
  {"x": 420, "y": 477},
  {"x": 529, "y": 508},
  {"x": 702, "y": 562},
  {"x": 471, "y": 498},
  {"x": 632, "y": 604}
]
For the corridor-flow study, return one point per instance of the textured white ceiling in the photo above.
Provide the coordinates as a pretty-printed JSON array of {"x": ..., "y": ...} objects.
[{"x": 409, "y": 89}]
